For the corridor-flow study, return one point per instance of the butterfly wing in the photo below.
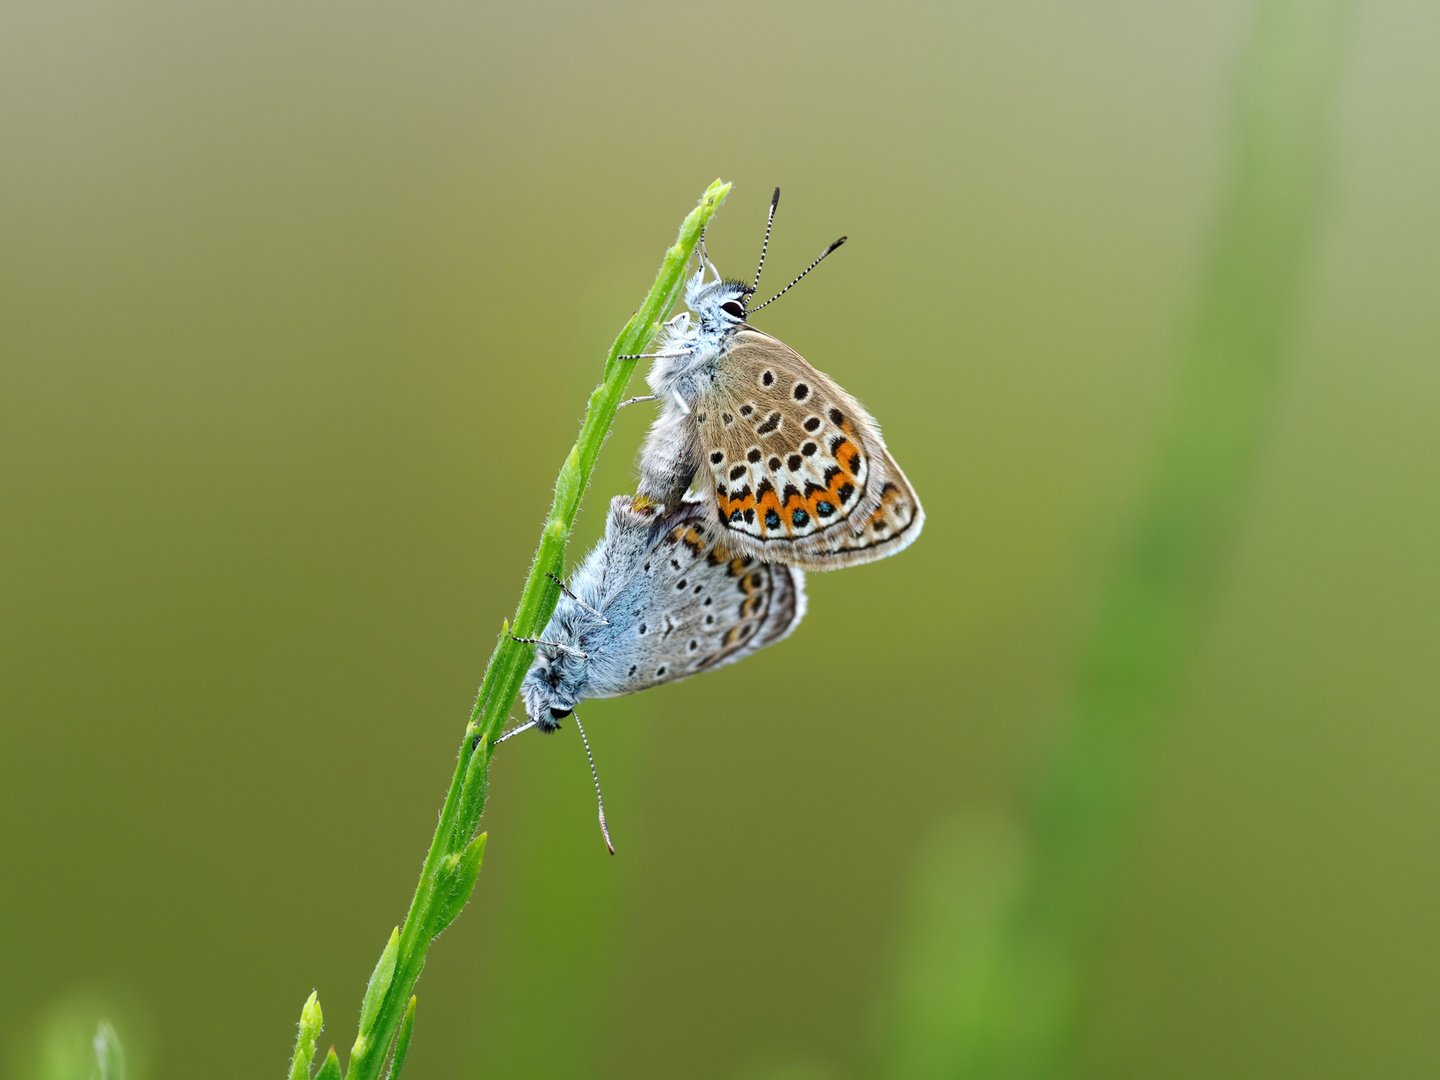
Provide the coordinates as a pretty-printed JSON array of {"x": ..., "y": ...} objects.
[
  {"x": 691, "y": 605},
  {"x": 798, "y": 471}
]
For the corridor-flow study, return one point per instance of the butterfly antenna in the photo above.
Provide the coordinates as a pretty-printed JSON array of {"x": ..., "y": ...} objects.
[
  {"x": 774, "y": 202},
  {"x": 802, "y": 273},
  {"x": 600, "y": 799}
]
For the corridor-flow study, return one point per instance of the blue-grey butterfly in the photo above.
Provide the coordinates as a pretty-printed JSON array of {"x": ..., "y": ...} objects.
[{"x": 658, "y": 599}]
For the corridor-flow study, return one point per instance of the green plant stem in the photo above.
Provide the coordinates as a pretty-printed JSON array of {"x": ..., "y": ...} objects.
[{"x": 453, "y": 862}]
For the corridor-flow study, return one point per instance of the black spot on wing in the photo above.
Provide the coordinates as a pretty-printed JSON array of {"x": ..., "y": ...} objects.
[{"x": 770, "y": 423}]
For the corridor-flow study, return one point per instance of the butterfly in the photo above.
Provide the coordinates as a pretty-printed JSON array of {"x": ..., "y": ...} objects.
[
  {"x": 788, "y": 466},
  {"x": 657, "y": 600}
]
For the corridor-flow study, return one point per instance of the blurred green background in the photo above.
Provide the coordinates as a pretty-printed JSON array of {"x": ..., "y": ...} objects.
[{"x": 299, "y": 306}]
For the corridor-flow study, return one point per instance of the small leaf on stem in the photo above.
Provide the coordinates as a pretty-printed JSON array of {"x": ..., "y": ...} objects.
[
  {"x": 331, "y": 1069},
  {"x": 375, "y": 992},
  {"x": 456, "y": 881},
  {"x": 402, "y": 1041},
  {"x": 311, "y": 1021},
  {"x": 472, "y": 795}
]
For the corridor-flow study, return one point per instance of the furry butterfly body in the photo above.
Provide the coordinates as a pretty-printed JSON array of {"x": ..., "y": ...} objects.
[
  {"x": 788, "y": 466},
  {"x": 656, "y": 600}
]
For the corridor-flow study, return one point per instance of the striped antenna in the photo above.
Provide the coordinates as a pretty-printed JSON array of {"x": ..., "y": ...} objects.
[
  {"x": 774, "y": 202},
  {"x": 802, "y": 273},
  {"x": 604, "y": 829}
]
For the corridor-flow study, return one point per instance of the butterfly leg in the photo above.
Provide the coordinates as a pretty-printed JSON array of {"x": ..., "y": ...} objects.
[
  {"x": 553, "y": 644},
  {"x": 671, "y": 355},
  {"x": 637, "y": 400},
  {"x": 514, "y": 731},
  {"x": 576, "y": 600}
]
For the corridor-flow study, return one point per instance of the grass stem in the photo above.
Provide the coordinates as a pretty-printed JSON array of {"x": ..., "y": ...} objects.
[{"x": 453, "y": 862}]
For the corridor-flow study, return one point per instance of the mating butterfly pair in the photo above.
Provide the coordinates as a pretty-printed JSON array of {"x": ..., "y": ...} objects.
[{"x": 791, "y": 474}]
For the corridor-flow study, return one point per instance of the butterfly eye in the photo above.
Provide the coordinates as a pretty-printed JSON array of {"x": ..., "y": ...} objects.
[
  {"x": 560, "y": 714},
  {"x": 733, "y": 309}
]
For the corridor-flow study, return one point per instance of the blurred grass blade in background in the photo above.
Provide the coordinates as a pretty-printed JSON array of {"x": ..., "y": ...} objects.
[
  {"x": 1006, "y": 929},
  {"x": 109, "y": 1054},
  {"x": 78, "y": 1038},
  {"x": 965, "y": 879}
]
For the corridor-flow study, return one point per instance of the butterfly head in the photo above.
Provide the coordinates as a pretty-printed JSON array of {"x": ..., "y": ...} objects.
[
  {"x": 552, "y": 687},
  {"x": 719, "y": 305}
]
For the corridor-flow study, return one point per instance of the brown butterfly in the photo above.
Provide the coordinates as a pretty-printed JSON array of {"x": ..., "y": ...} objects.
[{"x": 792, "y": 468}]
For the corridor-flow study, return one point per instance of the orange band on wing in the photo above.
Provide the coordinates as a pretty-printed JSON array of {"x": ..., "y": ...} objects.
[{"x": 844, "y": 486}]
